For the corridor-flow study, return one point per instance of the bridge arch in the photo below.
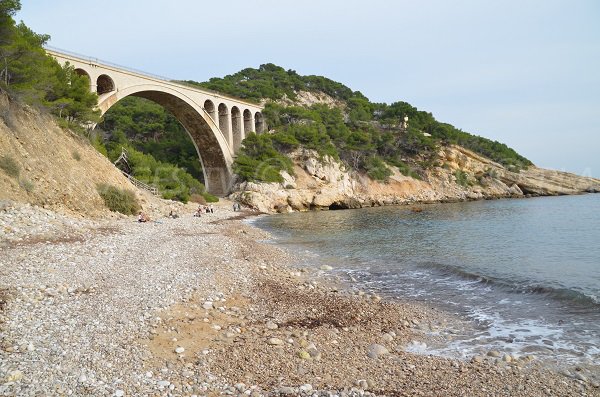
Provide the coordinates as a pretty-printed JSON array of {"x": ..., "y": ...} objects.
[
  {"x": 248, "y": 122},
  {"x": 236, "y": 128},
  {"x": 213, "y": 150},
  {"x": 259, "y": 123},
  {"x": 104, "y": 84},
  {"x": 209, "y": 107}
]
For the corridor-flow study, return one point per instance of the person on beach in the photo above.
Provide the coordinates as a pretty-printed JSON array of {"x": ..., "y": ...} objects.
[
  {"x": 212, "y": 209},
  {"x": 198, "y": 212},
  {"x": 142, "y": 217},
  {"x": 173, "y": 215}
]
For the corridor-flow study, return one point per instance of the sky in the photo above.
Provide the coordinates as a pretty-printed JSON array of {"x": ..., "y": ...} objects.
[{"x": 523, "y": 72}]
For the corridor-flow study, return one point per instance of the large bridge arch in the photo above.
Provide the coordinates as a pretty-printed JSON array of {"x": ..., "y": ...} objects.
[{"x": 213, "y": 149}]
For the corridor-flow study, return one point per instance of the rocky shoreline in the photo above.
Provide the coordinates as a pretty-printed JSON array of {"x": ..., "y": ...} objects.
[{"x": 200, "y": 306}]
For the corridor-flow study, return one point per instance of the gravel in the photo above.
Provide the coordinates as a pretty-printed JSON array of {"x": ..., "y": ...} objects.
[{"x": 196, "y": 306}]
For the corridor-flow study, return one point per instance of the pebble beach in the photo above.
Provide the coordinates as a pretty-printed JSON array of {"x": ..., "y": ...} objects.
[{"x": 205, "y": 307}]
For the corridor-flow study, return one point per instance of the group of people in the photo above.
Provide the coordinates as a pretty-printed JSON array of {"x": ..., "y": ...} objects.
[{"x": 204, "y": 209}]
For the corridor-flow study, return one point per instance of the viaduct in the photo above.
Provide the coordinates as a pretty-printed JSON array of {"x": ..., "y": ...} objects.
[{"x": 217, "y": 124}]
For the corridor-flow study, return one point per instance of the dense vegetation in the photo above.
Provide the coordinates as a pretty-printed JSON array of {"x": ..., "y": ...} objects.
[
  {"x": 159, "y": 151},
  {"x": 151, "y": 129},
  {"x": 364, "y": 135},
  {"x": 27, "y": 73}
]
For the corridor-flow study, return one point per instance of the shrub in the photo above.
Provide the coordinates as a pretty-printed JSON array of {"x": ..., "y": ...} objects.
[
  {"x": 118, "y": 200},
  {"x": 377, "y": 169},
  {"x": 210, "y": 198},
  {"x": 10, "y": 166},
  {"x": 462, "y": 178},
  {"x": 76, "y": 155}
]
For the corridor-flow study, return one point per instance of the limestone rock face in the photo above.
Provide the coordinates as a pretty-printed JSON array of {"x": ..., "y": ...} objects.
[{"x": 323, "y": 183}]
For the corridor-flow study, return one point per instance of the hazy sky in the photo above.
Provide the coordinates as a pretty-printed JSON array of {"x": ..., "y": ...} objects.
[{"x": 524, "y": 72}]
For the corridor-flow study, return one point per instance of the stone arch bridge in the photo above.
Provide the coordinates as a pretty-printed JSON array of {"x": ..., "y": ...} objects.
[{"x": 216, "y": 123}]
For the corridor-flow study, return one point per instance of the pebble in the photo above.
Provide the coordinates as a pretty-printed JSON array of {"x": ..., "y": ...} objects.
[
  {"x": 303, "y": 354},
  {"x": 275, "y": 341},
  {"x": 376, "y": 350},
  {"x": 271, "y": 325},
  {"x": 306, "y": 387},
  {"x": 14, "y": 376},
  {"x": 179, "y": 350},
  {"x": 387, "y": 337},
  {"x": 581, "y": 377},
  {"x": 477, "y": 359},
  {"x": 326, "y": 267},
  {"x": 119, "y": 393},
  {"x": 287, "y": 391},
  {"x": 207, "y": 305},
  {"x": 493, "y": 353}
]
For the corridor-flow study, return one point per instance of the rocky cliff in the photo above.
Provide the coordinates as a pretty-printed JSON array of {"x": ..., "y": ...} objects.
[{"x": 459, "y": 175}]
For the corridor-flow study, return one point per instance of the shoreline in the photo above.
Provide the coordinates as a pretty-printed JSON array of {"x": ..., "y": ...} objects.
[{"x": 198, "y": 306}]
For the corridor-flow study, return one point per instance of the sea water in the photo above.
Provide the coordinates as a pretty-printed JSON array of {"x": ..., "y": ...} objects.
[{"x": 525, "y": 273}]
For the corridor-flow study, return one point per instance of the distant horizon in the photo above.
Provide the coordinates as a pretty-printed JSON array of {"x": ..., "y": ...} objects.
[{"x": 524, "y": 75}]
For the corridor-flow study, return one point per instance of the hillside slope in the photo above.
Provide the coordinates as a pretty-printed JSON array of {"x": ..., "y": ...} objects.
[{"x": 55, "y": 169}]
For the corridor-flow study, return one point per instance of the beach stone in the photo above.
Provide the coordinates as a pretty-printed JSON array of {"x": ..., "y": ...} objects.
[
  {"x": 179, "y": 350},
  {"x": 362, "y": 383},
  {"x": 477, "y": 359},
  {"x": 507, "y": 358},
  {"x": 326, "y": 267},
  {"x": 494, "y": 353},
  {"x": 581, "y": 377},
  {"x": 306, "y": 387},
  {"x": 271, "y": 325},
  {"x": 303, "y": 354},
  {"x": 14, "y": 376},
  {"x": 275, "y": 341},
  {"x": 163, "y": 383},
  {"x": 287, "y": 391},
  {"x": 314, "y": 354},
  {"x": 119, "y": 393},
  {"x": 375, "y": 351},
  {"x": 207, "y": 305},
  {"x": 387, "y": 337}
]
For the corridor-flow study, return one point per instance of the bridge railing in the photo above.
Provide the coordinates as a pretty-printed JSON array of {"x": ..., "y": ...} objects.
[
  {"x": 106, "y": 63},
  {"x": 142, "y": 73}
]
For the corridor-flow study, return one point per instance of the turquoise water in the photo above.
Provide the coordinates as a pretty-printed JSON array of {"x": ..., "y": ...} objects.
[{"x": 525, "y": 272}]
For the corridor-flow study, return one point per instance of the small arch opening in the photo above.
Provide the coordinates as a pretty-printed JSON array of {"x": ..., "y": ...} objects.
[
  {"x": 248, "y": 123},
  {"x": 223, "y": 119},
  {"x": 81, "y": 72},
  {"x": 259, "y": 123},
  {"x": 236, "y": 126},
  {"x": 104, "y": 84},
  {"x": 209, "y": 106}
]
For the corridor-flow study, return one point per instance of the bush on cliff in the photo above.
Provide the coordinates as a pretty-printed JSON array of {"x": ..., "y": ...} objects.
[
  {"x": 259, "y": 160},
  {"x": 118, "y": 200}
]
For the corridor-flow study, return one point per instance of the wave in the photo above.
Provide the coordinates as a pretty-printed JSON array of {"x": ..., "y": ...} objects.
[{"x": 561, "y": 294}]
